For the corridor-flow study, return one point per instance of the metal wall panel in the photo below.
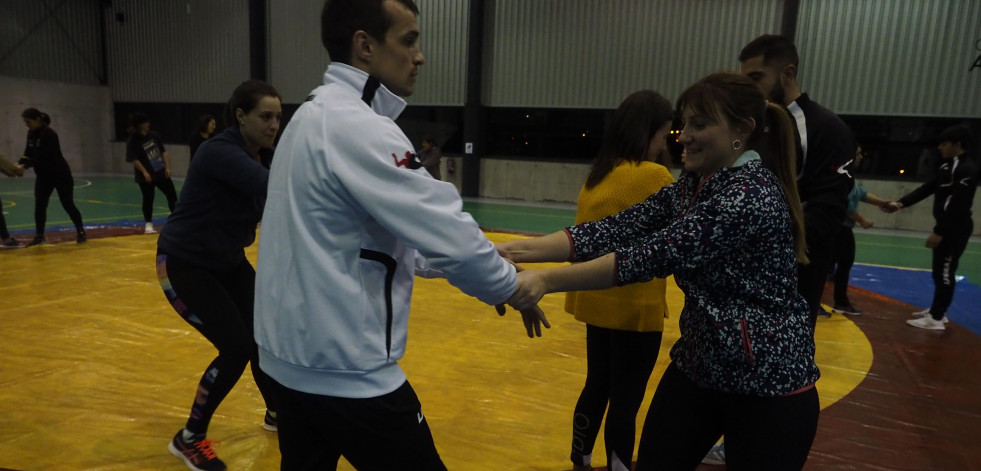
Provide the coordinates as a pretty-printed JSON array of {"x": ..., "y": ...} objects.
[
  {"x": 182, "y": 51},
  {"x": 892, "y": 57},
  {"x": 298, "y": 59},
  {"x": 444, "y": 27},
  {"x": 54, "y": 40},
  {"x": 592, "y": 53}
]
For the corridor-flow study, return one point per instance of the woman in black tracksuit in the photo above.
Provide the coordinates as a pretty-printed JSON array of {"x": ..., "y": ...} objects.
[
  {"x": 151, "y": 166},
  {"x": 43, "y": 153},
  {"x": 201, "y": 261}
]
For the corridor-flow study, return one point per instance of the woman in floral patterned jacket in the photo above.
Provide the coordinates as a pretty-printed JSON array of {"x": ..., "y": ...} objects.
[{"x": 731, "y": 232}]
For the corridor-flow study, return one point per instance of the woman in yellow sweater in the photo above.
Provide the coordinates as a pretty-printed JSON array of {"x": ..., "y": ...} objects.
[{"x": 623, "y": 324}]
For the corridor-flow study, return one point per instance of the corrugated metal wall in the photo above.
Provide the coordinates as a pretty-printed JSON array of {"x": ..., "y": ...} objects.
[
  {"x": 53, "y": 40},
  {"x": 892, "y": 57},
  {"x": 870, "y": 57},
  {"x": 444, "y": 26},
  {"x": 591, "y": 54},
  {"x": 298, "y": 59},
  {"x": 181, "y": 51}
]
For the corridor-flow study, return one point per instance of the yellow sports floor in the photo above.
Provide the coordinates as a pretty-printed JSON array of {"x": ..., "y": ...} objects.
[{"x": 97, "y": 372}]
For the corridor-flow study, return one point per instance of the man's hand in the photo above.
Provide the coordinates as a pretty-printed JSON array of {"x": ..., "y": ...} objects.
[
  {"x": 533, "y": 318},
  {"x": 933, "y": 240},
  {"x": 531, "y": 289}
]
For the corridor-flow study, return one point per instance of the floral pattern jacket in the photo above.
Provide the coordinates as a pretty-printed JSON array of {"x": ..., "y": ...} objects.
[{"x": 727, "y": 240}]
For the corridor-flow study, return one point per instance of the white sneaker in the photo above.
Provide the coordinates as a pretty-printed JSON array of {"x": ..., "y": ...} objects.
[
  {"x": 927, "y": 322},
  {"x": 926, "y": 313},
  {"x": 148, "y": 229},
  {"x": 717, "y": 455}
]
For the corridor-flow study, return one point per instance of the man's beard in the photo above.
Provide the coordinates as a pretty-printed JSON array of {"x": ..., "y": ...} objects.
[{"x": 777, "y": 94}]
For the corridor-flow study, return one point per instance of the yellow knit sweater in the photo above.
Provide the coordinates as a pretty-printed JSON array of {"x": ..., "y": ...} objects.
[{"x": 638, "y": 307}]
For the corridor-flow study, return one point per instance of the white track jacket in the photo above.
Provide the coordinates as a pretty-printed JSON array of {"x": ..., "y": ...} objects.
[{"x": 350, "y": 217}]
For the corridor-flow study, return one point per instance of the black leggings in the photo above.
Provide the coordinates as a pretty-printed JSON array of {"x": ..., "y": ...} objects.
[
  {"x": 844, "y": 259},
  {"x": 166, "y": 185},
  {"x": 946, "y": 257},
  {"x": 618, "y": 365},
  {"x": 219, "y": 304},
  {"x": 762, "y": 433},
  {"x": 43, "y": 187}
]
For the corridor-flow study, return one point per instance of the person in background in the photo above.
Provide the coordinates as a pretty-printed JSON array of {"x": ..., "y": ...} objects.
[
  {"x": 953, "y": 188},
  {"x": 151, "y": 166},
  {"x": 731, "y": 231},
  {"x": 201, "y": 263},
  {"x": 205, "y": 129},
  {"x": 845, "y": 243},
  {"x": 351, "y": 219},
  {"x": 623, "y": 324},
  {"x": 827, "y": 145},
  {"x": 431, "y": 157},
  {"x": 43, "y": 153},
  {"x": 9, "y": 169}
]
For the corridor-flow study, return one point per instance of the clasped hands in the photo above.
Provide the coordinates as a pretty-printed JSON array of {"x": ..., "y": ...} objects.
[
  {"x": 525, "y": 300},
  {"x": 891, "y": 206},
  {"x": 933, "y": 240}
]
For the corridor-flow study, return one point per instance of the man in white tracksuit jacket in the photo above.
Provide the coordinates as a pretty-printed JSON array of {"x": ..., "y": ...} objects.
[{"x": 350, "y": 218}]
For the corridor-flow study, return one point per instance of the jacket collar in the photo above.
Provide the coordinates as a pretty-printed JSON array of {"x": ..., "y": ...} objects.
[
  {"x": 746, "y": 157},
  {"x": 376, "y": 95}
]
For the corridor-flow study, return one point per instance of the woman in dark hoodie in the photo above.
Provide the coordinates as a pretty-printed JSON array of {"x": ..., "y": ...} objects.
[{"x": 43, "y": 153}]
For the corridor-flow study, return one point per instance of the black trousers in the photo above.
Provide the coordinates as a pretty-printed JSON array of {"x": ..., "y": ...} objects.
[
  {"x": 821, "y": 223},
  {"x": 219, "y": 304},
  {"x": 381, "y": 433},
  {"x": 4, "y": 235},
  {"x": 946, "y": 257},
  {"x": 166, "y": 185},
  {"x": 844, "y": 260},
  {"x": 43, "y": 187},
  {"x": 618, "y": 365},
  {"x": 762, "y": 433}
]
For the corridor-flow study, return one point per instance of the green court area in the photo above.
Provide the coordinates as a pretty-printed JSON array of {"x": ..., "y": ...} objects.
[
  {"x": 103, "y": 201},
  {"x": 115, "y": 201}
]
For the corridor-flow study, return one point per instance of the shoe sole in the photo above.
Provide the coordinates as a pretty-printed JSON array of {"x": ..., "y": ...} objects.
[
  {"x": 270, "y": 428},
  {"x": 916, "y": 316},
  {"x": 847, "y": 313},
  {"x": 910, "y": 323}
]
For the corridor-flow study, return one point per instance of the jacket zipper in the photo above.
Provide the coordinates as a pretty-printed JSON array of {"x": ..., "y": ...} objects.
[
  {"x": 390, "y": 265},
  {"x": 747, "y": 346}
]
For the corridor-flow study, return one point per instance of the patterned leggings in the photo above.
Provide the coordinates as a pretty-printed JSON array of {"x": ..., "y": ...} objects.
[{"x": 219, "y": 304}]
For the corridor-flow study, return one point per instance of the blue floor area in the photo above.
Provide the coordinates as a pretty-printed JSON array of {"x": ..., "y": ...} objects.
[{"x": 916, "y": 287}]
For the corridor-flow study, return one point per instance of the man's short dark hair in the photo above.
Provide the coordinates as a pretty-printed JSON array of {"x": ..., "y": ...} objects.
[
  {"x": 958, "y": 134},
  {"x": 774, "y": 48},
  {"x": 341, "y": 18}
]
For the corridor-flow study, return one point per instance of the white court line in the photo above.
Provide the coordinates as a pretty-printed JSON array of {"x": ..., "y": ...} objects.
[{"x": 86, "y": 183}]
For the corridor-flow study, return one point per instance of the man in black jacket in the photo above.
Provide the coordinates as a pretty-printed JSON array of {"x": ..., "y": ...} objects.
[
  {"x": 953, "y": 188},
  {"x": 825, "y": 149}
]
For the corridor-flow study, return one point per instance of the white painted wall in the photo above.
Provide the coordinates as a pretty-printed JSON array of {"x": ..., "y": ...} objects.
[{"x": 80, "y": 114}]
